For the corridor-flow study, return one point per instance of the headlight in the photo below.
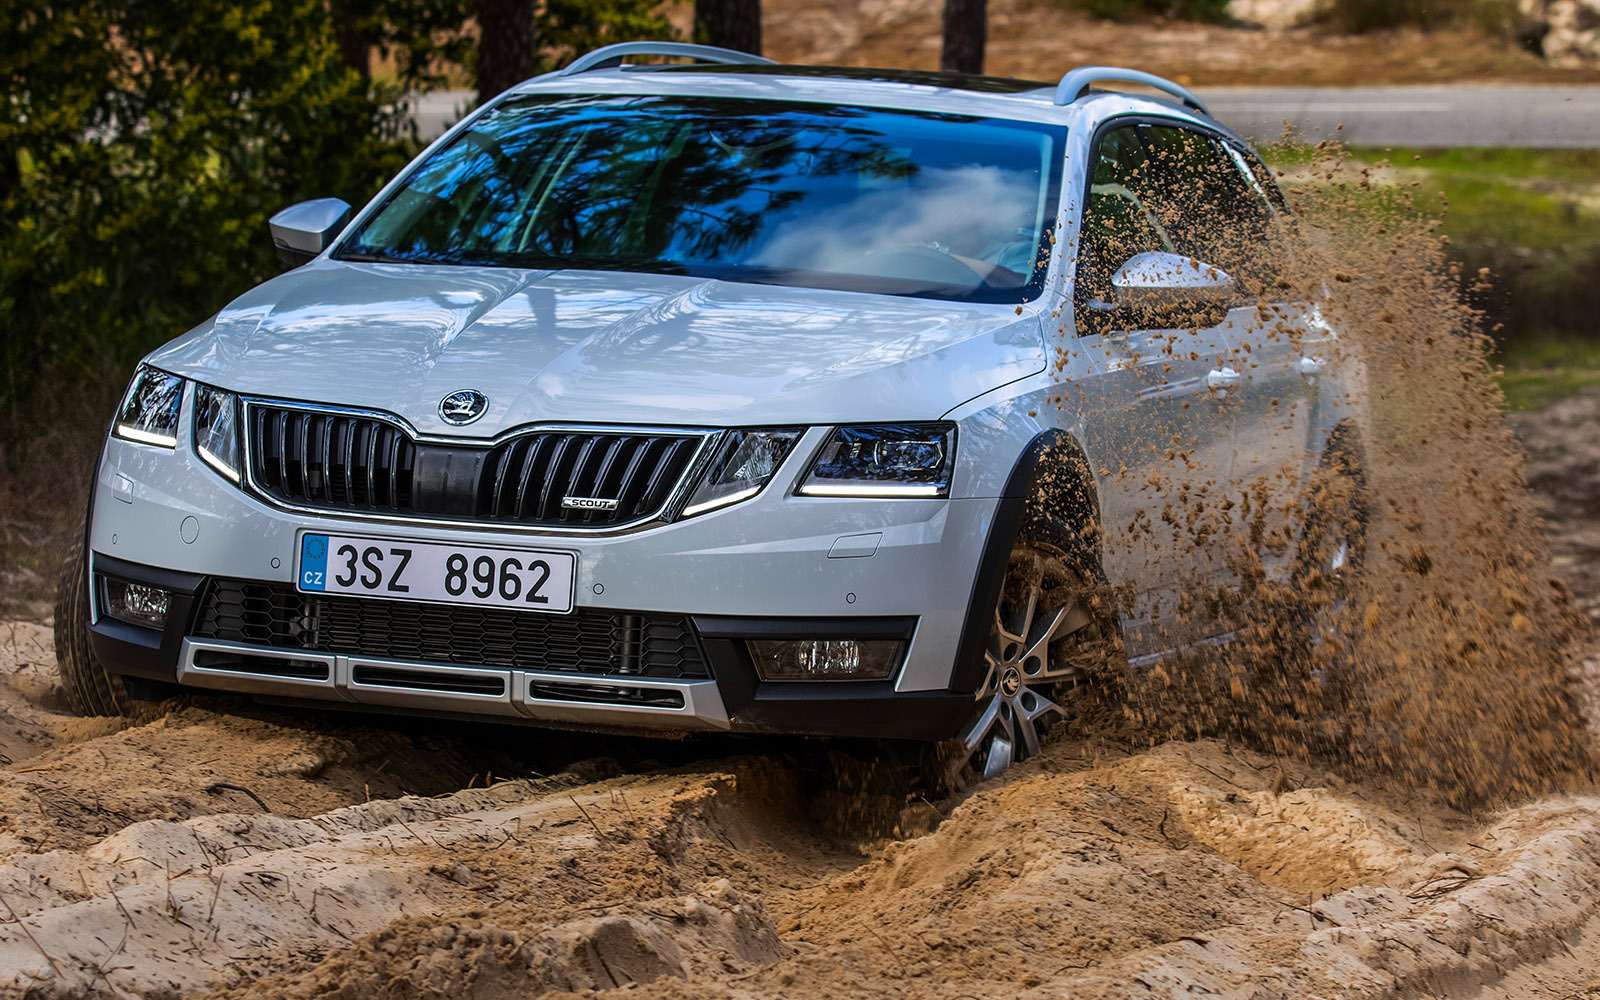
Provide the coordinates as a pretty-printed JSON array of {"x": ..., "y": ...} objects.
[
  {"x": 216, "y": 429},
  {"x": 884, "y": 460},
  {"x": 741, "y": 467},
  {"x": 150, "y": 410}
]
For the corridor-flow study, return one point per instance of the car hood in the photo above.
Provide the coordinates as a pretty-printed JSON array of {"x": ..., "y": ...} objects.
[{"x": 603, "y": 347}]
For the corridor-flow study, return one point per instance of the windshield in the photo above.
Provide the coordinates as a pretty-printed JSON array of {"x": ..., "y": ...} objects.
[{"x": 821, "y": 196}]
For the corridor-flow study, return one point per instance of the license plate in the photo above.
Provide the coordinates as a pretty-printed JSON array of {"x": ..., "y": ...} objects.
[{"x": 401, "y": 570}]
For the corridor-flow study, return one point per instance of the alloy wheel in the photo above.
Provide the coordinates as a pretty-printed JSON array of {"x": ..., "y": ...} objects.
[{"x": 1042, "y": 636}]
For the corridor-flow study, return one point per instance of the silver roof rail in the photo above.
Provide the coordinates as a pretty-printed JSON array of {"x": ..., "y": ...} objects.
[
  {"x": 608, "y": 56},
  {"x": 1077, "y": 82}
]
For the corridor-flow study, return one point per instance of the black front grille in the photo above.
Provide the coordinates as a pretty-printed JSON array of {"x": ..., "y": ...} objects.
[
  {"x": 558, "y": 478},
  {"x": 525, "y": 479},
  {"x": 588, "y": 641},
  {"x": 336, "y": 461}
]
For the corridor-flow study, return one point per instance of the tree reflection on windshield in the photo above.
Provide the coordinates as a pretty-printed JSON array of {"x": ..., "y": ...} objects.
[{"x": 907, "y": 203}]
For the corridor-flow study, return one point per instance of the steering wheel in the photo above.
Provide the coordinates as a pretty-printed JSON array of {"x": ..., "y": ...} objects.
[{"x": 927, "y": 261}]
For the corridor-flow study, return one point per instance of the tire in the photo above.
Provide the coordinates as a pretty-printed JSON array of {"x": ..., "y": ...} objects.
[
  {"x": 90, "y": 690},
  {"x": 1333, "y": 542},
  {"x": 1072, "y": 625},
  {"x": 1332, "y": 549}
]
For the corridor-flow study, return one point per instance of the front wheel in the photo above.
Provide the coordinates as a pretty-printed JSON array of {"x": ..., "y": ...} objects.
[
  {"x": 89, "y": 688},
  {"x": 1051, "y": 629}
]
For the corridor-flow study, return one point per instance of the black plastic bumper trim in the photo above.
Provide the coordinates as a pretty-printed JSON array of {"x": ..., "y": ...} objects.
[
  {"x": 155, "y": 576},
  {"x": 829, "y": 708},
  {"x": 143, "y": 652},
  {"x": 132, "y": 651}
]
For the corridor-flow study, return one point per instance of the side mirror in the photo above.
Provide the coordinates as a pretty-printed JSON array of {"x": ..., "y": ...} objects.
[
  {"x": 1168, "y": 289},
  {"x": 302, "y": 231}
]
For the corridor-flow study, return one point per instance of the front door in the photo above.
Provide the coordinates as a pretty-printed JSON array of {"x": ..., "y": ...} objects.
[{"x": 1157, "y": 401}]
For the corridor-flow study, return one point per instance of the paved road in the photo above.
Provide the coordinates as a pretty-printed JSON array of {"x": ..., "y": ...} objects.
[
  {"x": 1460, "y": 115},
  {"x": 437, "y": 110}
]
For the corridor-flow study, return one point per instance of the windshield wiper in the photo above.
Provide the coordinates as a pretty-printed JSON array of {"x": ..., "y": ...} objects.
[
  {"x": 370, "y": 257},
  {"x": 579, "y": 262},
  {"x": 531, "y": 261}
]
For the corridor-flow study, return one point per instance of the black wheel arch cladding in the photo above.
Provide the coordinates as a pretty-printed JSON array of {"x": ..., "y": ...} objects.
[{"x": 1051, "y": 490}]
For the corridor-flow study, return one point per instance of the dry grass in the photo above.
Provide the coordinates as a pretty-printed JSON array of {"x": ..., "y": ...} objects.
[{"x": 1040, "y": 39}]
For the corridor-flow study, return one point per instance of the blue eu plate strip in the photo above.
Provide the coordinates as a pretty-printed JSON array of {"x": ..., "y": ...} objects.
[{"x": 313, "y": 562}]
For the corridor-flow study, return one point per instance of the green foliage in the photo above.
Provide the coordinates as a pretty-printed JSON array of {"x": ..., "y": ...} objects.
[
  {"x": 425, "y": 37},
  {"x": 1526, "y": 215},
  {"x": 143, "y": 144},
  {"x": 1188, "y": 10},
  {"x": 1539, "y": 370},
  {"x": 1359, "y": 16},
  {"x": 142, "y": 147},
  {"x": 1356, "y": 16},
  {"x": 573, "y": 27}
]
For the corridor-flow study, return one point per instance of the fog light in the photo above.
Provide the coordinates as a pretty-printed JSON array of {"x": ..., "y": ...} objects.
[
  {"x": 825, "y": 659},
  {"x": 136, "y": 603}
]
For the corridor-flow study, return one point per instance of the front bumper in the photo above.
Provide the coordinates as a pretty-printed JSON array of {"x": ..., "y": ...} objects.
[{"x": 775, "y": 564}]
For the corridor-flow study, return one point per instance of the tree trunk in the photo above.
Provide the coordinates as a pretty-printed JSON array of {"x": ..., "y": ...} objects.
[
  {"x": 508, "y": 52},
  {"x": 732, "y": 24},
  {"x": 966, "y": 30},
  {"x": 356, "y": 50},
  {"x": 351, "y": 35}
]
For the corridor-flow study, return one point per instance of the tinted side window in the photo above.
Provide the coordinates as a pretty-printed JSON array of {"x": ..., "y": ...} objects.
[
  {"x": 1214, "y": 207},
  {"x": 1122, "y": 215},
  {"x": 1263, "y": 177}
]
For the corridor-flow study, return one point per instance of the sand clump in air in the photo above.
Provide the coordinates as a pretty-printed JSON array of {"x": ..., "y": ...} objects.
[
  {"x": 1449, "y": 661},
  {"x": 1403, "y": 811}
]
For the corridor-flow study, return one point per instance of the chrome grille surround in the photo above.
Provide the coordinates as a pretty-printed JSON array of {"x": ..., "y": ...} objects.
[{"x": 384, "y": 501}]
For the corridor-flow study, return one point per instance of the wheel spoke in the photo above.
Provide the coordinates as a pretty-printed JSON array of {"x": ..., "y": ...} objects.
[
  {"x": 982, "y": 725},
  {"x": 1066, "y": 621},
  {"x": 1000, "y": 754},
  {"x": 1042, "y": 706},
  {"x": 1028, "y": 613},
  {"x": 1007, "y": 637},
  {"x": 991, "y": 676},
  {"x": 1026, "y": 727}
]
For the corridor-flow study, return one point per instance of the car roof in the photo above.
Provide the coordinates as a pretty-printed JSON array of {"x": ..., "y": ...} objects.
[{"x": 914, "y": 90}]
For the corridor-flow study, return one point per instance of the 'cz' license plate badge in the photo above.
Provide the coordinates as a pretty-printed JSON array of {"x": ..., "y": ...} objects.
[{"x": 401, "y": 570}]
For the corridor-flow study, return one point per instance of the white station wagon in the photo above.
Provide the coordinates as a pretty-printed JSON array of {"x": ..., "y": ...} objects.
[{"x": 725, "y": 395}]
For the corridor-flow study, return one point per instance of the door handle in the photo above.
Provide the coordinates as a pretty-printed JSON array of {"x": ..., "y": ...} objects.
[
  {"x": 1222, "y": 378},
  {"x": 1311, "y": 367}
]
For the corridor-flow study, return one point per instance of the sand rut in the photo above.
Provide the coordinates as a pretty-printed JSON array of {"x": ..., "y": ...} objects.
[
  {"x": 1415, "y": 815},
  {"x": 1093, "y": 872},
  {"x": 594, "y": 874}
]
